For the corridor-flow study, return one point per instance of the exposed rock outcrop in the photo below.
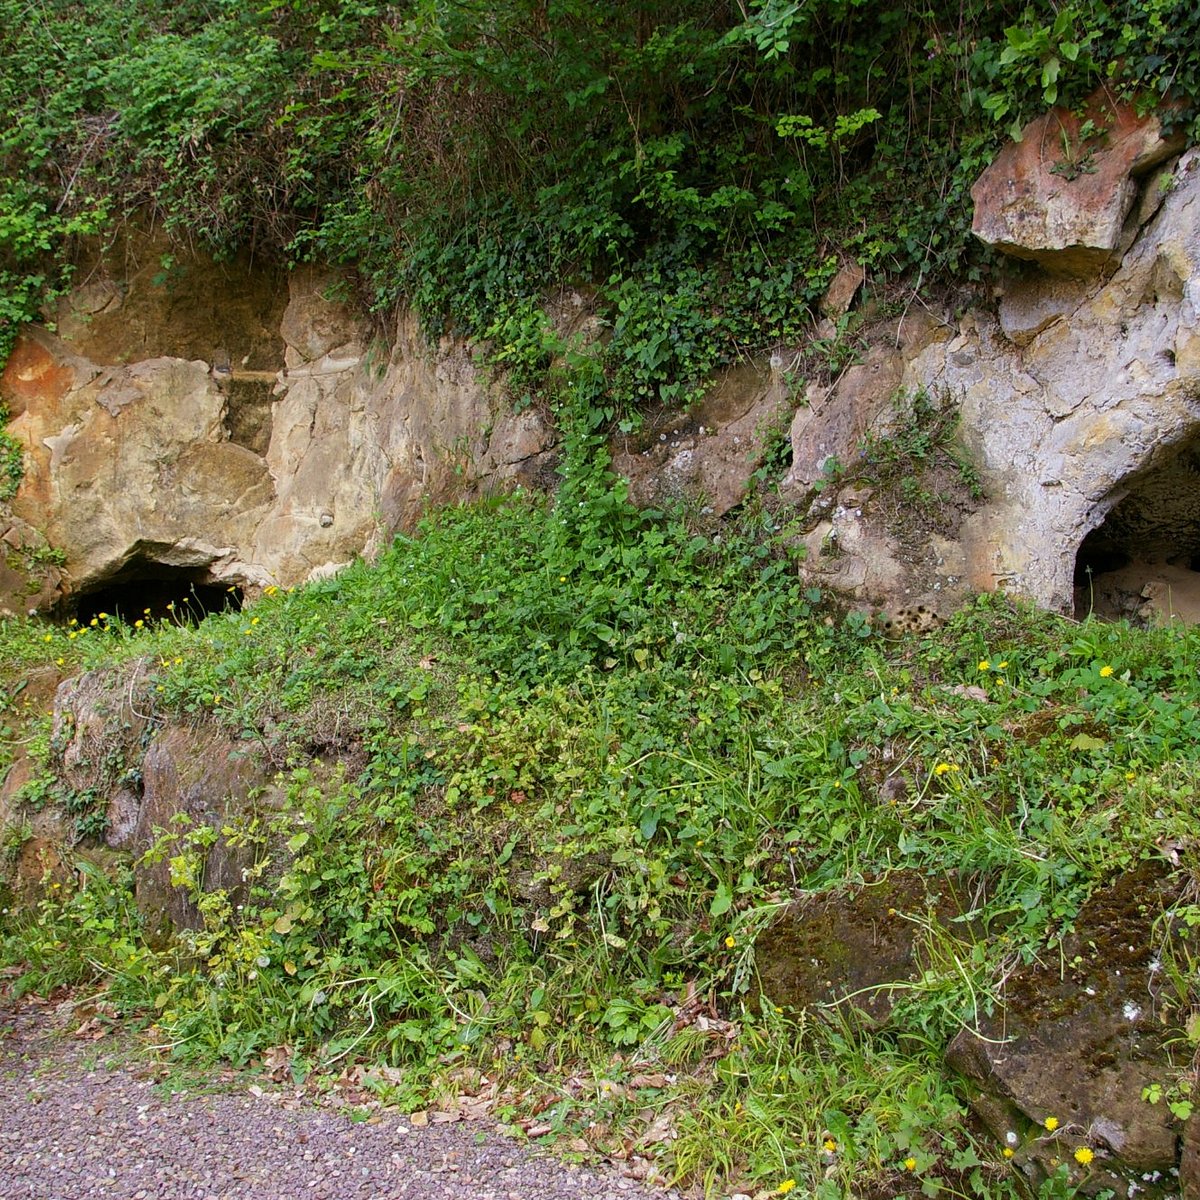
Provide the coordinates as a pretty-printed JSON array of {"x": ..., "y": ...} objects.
[
  {"x": 1078, "y": 435},
  {"x": 1080, "y": 410},
  {"x": 207, "y": 471},
  {"x": 1066, "y": 195},
  {"x": 1080, "y": 1046}
]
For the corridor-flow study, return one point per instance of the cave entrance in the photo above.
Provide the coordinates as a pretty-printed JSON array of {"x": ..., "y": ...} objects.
[
  {"x": 182, "y": 595},
  {"x": 1143, "y": 561}
]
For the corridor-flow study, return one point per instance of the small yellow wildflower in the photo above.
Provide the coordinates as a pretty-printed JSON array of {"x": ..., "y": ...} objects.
[
  {"x": 1002, "y": 666},
  {"x": 730, "y": 942},
  {"x": 48, "y": 638},
  {"x": 943, "y": 767},
  {"x": 910, "y": 1164},
  {"x": 72, "y": 636},
  {"x": 270, "y": 591},
  {"x": 984, "y": 665},
  {"x": 1083, "y": 1156},
  {"x": 1008, "y": 1152},
  {"x": 785, "y": 1187},
  {"x": 793, "y": 849},
  {"x": 562, "y": 579},
  {"x": 830, "y": 1146},
  {"x": 94, "y": 622},
  {"x": 145, "y": 612},
  {"x": 139, "y": 624},
  {"x": 1105, "y": 672},
  {"x": 1051, "y": 1124},
  {"x": 59, "y": 661},
  {"x": 1130, "y": 776},
  {"x": 72, "y": 621}
]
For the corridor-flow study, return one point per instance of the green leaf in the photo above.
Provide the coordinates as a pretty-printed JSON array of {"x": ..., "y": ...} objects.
[{"x": 722, "y": 901}]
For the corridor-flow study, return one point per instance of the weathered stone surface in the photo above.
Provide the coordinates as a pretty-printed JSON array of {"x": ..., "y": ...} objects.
[
  {"x": 143, "y": 296},
  {"x": 841, "y": 292},
  {"x": 710, "y": 452},
  {"x": 1189, "y": 1155},
  {"x": 826, "y": 434},
  {"x": 1060, "y": 196},
  {"x": 1086, "y": 409},
  {"x": 855, "y": 948},
  {"x": 1081, "y": 1045},
  {"x": 98, "y": 731},
  {"x": 206, "y": 777},
  {"x": 167, "y": 463},
  {"x": 1073, "y": 398}
]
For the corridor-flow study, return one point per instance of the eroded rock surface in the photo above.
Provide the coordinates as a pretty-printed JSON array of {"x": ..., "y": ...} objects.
[
  {"x": 269, "y": 466},
  {"x": 1063, "y": 195},
  {"x": 857, "y": 949},
  {"x": 1081, "y": 1044}
]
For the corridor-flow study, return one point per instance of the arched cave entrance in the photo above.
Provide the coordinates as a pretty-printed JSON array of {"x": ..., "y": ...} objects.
[
  {"x": 1143, "y": 562},
  {"x": 184, "y": 595}
]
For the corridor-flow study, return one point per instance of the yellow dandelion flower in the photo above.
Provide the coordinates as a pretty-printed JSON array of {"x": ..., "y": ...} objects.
[
  {"x": 984, "y": 665},
  {"x": 1008, "y": 1152},
  {"x": 1105, "y": 672},
  {"x": 942, "y": 768},
  {"x": 1002, "y": 666},
  {"x": 786, "y": 1186},
  {"x": 1130, "y": 776},
  {"x": 830, "y": 1146},
  {"x": 48, "y": 638},
  {"x": 59, "y": 661},
  {"x": 94, "y": 622},
  {"x": 730, "y": 942},
  {"x": 1083, "y": 1156},
  {"x": 139, "y": 624},
  {"x": 1051, "y": 1124},
  {"x": 72, "y": 636},
  {"x": 910, "y": 1164}
]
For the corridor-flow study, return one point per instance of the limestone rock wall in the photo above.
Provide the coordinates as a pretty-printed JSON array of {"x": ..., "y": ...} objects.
[
  {"x": 217, "y": 472},
  {"x": 303, "y": 438}
]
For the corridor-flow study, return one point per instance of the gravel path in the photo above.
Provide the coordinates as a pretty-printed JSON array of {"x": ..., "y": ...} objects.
[{"x": 76, "y": 1123}]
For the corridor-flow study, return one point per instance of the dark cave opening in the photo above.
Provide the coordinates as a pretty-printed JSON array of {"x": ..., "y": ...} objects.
[
  {"x": 154, "y": 592},
  {"x": 1142, "y": 562}
]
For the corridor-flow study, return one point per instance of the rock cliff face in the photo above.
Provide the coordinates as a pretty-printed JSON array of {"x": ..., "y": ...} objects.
[
  {"x": 276, "y": 438},
  {"x": 208, "y": 471}
]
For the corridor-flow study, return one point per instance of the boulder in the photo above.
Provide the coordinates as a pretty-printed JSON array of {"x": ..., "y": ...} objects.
[
  {"x": 1061, "y": 195},
  {"x": 857, "y": 949},
  {"x": 192, "y": 778},
  {"x": 1080, "y": 1044}
]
